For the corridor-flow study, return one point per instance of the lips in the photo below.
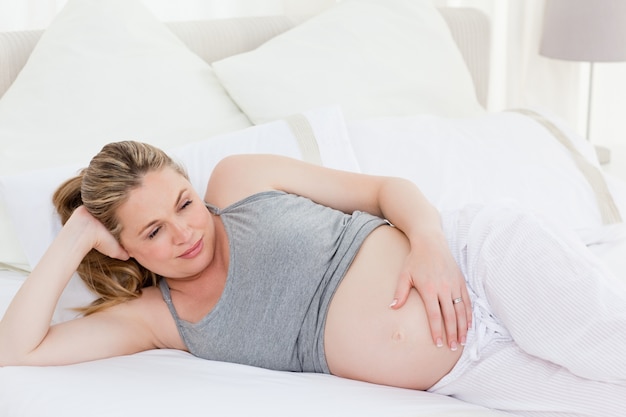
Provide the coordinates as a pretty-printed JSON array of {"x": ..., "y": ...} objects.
[{"x": 193, "y": 251}]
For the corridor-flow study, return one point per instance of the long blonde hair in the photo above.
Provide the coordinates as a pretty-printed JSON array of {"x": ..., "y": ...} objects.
[{"x": 102, "y": 188}]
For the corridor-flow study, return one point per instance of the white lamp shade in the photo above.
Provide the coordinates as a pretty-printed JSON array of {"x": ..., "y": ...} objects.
[{"x": 584, "y": 30}]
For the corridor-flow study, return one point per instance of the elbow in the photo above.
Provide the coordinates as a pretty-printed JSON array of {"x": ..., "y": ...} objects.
[
  {"x": 14, "y": 361},
  {"x": 11, "y": 358},
  {"x": 7, "y": 362}
]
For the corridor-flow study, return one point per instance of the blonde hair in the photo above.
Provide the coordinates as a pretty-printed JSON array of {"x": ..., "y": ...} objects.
[{"x": 102, "y": 188}]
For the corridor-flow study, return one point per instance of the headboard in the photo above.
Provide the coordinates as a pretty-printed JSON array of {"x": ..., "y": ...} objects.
[{"x": 216, "y": 39}]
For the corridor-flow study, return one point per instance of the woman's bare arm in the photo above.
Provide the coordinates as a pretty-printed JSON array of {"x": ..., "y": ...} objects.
[
  {"x": 26, "y": 336},
  {"x": 430, "y": 267}
]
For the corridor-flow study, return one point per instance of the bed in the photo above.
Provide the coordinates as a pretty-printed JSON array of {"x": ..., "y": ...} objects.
[{"x": 393, "y": 87}]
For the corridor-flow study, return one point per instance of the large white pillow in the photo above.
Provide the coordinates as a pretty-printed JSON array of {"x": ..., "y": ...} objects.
[
  {"x": 106, "y": 70},
  {"x": 373, "y": 57},
  {"x": 28, "y": 195},
  {"x": 500, "y": 156}
]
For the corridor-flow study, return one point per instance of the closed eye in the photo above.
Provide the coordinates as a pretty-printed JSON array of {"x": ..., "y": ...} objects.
[
  {"x": 185, "y": 204},
  {"x": 154, "y": 232}
]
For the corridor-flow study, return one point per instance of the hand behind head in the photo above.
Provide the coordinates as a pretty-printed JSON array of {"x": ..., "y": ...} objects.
[{"x": 102, "y": 240}]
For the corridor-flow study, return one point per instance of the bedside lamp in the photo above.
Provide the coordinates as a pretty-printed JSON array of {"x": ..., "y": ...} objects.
[{"x": 585, "y": 30}]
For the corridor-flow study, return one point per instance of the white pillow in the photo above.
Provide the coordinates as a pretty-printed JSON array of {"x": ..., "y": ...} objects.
[
  {"x": 106, "y": 70},
  {"x": 28, "y": 195},
  {"x": 11, "y": 253},
  {"x": 372, "y": 57},
  {"x": 500, "y": 156}
]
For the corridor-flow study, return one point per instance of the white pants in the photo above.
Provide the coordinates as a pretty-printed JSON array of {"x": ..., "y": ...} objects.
[{"x": 549, "y": 334}]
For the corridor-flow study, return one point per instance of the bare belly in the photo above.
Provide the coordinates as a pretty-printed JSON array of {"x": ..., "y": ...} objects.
[{"x": 365, "y": 339}]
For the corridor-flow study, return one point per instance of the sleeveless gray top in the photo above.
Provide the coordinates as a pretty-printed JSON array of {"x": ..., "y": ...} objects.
[{"x": 287, "y": 257}]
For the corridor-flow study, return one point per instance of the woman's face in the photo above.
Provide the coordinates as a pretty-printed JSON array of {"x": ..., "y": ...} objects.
[{"x": 166, "y": 227}]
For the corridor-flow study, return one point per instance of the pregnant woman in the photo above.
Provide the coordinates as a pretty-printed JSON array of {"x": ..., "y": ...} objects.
[{"x": 291, "y": 266}]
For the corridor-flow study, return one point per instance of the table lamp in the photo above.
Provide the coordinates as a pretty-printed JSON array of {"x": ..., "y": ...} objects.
[{"x": 589, "y": 31}]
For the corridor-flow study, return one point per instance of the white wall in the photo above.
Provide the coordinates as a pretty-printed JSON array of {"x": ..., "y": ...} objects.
[{"x": 37, "y": 14}]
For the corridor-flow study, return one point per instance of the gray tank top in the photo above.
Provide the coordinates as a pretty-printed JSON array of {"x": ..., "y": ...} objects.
[{"x": 287, "y": 257}]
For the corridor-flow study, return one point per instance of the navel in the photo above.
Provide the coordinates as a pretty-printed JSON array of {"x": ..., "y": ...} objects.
[{"x": 398, "y": 336}]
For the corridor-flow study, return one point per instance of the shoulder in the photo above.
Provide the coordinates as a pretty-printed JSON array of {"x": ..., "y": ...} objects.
[{"x": 239, "y": 176}]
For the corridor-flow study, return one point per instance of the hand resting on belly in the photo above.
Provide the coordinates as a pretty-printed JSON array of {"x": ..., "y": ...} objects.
[{"x": 366, "y": 340}]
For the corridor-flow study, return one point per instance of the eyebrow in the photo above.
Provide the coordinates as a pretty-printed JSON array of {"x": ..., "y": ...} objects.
[{"x": 153, "y": 222}]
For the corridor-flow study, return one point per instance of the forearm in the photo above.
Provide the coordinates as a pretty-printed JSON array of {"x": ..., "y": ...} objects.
[
  {"x": 27, "y": 320},
  {"x": 403, "y": 204}
]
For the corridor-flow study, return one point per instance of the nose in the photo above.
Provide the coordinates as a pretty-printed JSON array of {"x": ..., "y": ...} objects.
[{"x": 181, "y": 232}]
